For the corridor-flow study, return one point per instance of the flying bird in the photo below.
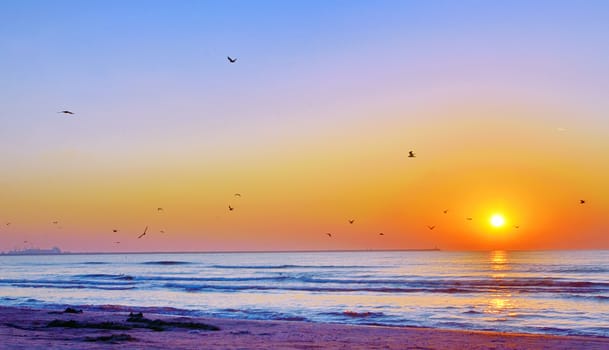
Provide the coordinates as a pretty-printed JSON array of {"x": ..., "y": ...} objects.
[
  {"x": 144, "y": 233},
  {"x": 55, "y": 222},
  {"x": 329, "y": 234},
  {"x": 65, "y": 112},
  {"x": 581, "y": 201},
  {"x": 411, "y": 154},
  {"x": 117, "y": 242},
  {"x": 381, "y": 234},
  {"x": 115, "y": 230},
  {"x": 237, "y": 194},
  {"x": 230, "y": 208},
  {"x": 231, "y": 60},
  {"x": 431, "y": 227},
  {"x": 160, "y": 210},
  {"x": 517, "y": 226},
  {"x": 162, "y": 231},
  {"x": 351, "y": 221},
  {"x": 445, "y": 211},
  {"x": 469, "y": 219}
]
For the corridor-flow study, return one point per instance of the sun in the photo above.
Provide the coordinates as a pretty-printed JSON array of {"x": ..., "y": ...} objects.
[{"x": 497, "y": 220}]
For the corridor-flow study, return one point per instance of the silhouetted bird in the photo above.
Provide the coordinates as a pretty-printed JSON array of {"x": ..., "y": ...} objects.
[
  {"x": 445, "y": 211},
  {"x": 230, "y": 208},
  {"x": 8, "y": 224},
  {"x": 55, "y": 222},
  {"x": 237, "y": 194},
  {"x": 469, "y": 219},
  {"x": 431, "y": 227},
  {"x": 117, "y": 242},
  {"x": 162, "y": 231},
  {"x": 516, "y": 226},
  {"x": 144, "y": 233},
  {"x": 581, "y": 201},
  {"x": 411, "y": 154},
  {"x": 381, "y": 234},
  {"x": 160, "y": 210},
  {"x": 115, "y": 230},
  {"x": 66, "y": 112},
  {"x": 351, "y": 221},
  {"x": 329, "y": 234},
  {"x": 231, "y": 60}
]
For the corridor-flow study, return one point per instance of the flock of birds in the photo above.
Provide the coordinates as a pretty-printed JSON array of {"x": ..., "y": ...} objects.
[{"x": 411, "y": 154}]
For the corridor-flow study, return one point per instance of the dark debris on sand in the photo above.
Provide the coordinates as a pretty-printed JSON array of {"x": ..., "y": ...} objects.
[
  {"x": 112, "y": 338},
  {"x": 160, "y": 325},
  {"x": 68, "y": 310},
  {"x": 93, "y": 325},
  {"x": 133, "y": 321}
]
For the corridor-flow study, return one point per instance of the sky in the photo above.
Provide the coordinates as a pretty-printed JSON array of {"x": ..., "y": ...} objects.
[{"x": 504, "y": 104}]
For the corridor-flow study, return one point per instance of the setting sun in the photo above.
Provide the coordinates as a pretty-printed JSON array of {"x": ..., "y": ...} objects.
[{"x": 497, "y": 220}]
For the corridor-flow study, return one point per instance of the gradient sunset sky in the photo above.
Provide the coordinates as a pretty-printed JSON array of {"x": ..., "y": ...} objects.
[{"x": 505, "y": 103}]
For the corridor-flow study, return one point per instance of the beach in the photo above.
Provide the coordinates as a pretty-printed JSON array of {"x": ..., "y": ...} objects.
[{"x": 27, "y": 328}]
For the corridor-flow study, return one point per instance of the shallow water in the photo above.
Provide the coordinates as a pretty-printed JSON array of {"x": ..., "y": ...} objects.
[{"x": 551, "y": 292}]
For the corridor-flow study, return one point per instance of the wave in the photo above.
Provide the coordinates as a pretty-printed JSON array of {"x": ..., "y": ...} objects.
[
  {"x": 260, "y": 314},
  {"x": 104, "y": 275},
  {"x": 259, "y": 287},
  {"x": 354, "y": 314},
  {"x": 71, "y": 286},
  {"x": 472, "y": 312},
  {"x": 309, "y": 282},
  {"x": 166, "y": 262},
  {"x": 269, "y": 267},
  {"x": 601, "y": 298},
  {"x": 580, "y": 269}
]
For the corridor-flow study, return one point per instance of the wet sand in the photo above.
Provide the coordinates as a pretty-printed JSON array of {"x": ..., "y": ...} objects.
[{"x": 46, "y": 329}]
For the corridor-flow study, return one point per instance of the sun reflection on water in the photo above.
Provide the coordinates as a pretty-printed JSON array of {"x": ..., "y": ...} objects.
[{"x": 500, "y": 302}]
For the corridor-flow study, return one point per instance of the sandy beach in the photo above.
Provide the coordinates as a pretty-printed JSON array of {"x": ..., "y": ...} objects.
[{"x": 22, "y": 328}]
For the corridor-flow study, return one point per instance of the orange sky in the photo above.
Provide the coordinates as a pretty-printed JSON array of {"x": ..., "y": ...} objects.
[{"x": 312, "y": 125}]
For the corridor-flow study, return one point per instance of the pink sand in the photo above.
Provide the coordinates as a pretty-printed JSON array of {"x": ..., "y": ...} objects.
[{"x": 25, "y": 329}]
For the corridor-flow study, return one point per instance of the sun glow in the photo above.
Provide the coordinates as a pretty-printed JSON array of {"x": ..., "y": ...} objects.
[{"x": 497, "y": 220}]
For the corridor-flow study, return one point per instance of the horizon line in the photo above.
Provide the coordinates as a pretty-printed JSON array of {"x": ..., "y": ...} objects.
[{"x": 297, "y": 251}]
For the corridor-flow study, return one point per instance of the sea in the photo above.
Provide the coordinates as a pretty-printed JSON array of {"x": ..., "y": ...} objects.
[{"x": 547, "y": 292}]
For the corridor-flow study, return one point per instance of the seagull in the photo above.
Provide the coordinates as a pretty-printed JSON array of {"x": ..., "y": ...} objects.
[
  {"x": 445, "y": 211},
  {"x": 237, "y": 194},
  {"x": 582, "y": 201},
  {"x": 431, "y": 227},
  {"x": 231, "y": 60},
  {"x": 66, "y": 112},
  {"x": 411, "y": 154},
  {"x": 329, "y": 234},
  {"x": 230, "y": 208},
  {"x": 144, "y": 233},
  {"x": 351, "y": 221}
]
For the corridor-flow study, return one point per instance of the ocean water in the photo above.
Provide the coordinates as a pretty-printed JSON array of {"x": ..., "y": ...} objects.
[{"x": 550, "y": 292}]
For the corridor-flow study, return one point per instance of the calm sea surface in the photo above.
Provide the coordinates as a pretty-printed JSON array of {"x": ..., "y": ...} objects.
[{"x": 552, "y": 292}]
